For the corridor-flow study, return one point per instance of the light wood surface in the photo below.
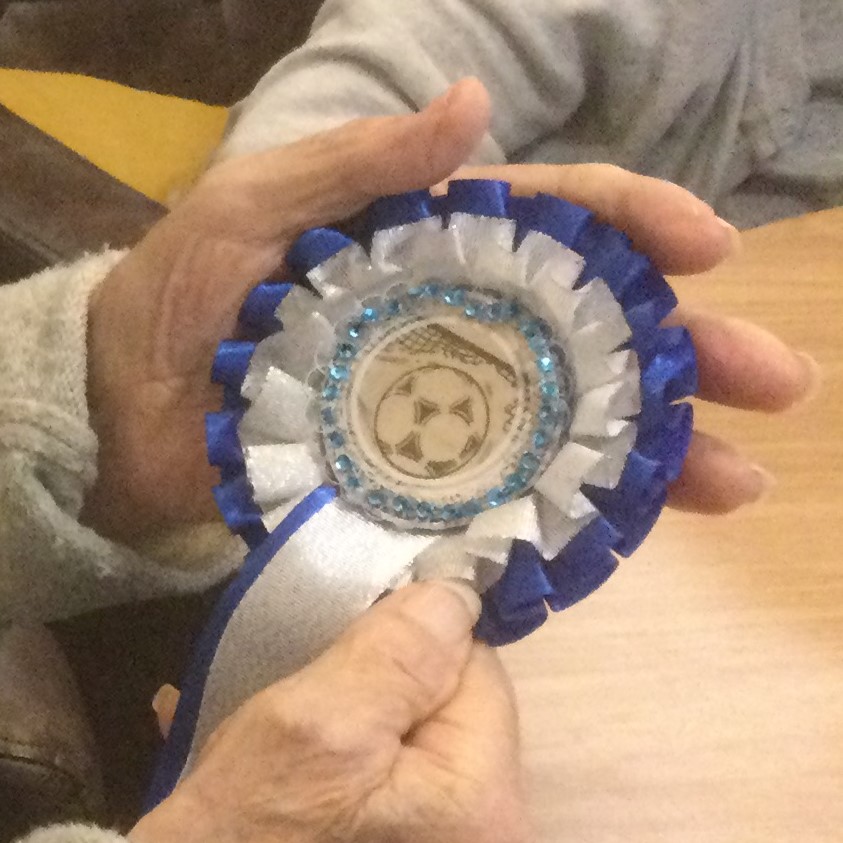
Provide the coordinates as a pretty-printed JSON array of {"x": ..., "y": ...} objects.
[{"x": 698, "y": 696}]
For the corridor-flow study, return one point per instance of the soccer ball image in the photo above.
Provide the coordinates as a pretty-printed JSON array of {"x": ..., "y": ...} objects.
[{"x": 432, "y": 421}]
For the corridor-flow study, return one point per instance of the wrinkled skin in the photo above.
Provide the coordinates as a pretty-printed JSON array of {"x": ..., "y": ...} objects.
[{"x": 405, "y": 731}]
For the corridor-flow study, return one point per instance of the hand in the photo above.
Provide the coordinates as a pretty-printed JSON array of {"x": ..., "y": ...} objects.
[
  {"x": 158, "y": 317},
  {"x": 405, "y": 730}
]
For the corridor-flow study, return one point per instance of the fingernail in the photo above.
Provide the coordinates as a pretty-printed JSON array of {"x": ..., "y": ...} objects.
[
  {"x": 441, "y": 102},
  {"x": 447, "y": 609},
  {"x": 761, "y": 485},
  {"x": 165, "y": 698},
  {"x": 735, "y": 239},
  {"x": 466, "y": 592},
  {"x": 813, "y": 377}
]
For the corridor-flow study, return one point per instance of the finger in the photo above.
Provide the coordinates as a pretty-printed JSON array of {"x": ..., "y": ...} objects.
[
  {"x": 742, "y": 365},
  {"x": 471, "y": 746},
  {"x": 478, "y": 726},
  {"x": 395, "y": 665},
  {"x": 337, "y": 173},
  {"x": 164, "y": 705},
  {"x": 717, "y": 479},
  {"x": 680, "y": 233}
]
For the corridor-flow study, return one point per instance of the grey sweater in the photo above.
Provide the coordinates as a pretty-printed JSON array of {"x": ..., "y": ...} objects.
[{"x": 742, "y": 102}]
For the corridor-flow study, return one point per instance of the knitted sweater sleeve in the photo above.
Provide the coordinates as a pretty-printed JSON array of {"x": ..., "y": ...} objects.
[
  {"x": 50, "y": 565},
  {"x": 73, "y": 833},
  {"x": 366, "y": 58}
]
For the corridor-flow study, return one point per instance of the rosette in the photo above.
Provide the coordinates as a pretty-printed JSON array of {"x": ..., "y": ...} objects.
[{"x": 480, "y": 390}]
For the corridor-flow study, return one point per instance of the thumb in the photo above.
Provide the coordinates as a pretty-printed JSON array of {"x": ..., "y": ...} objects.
[
  {"x": 333, "y": 175},
  {"x": 395, "y": 665}
]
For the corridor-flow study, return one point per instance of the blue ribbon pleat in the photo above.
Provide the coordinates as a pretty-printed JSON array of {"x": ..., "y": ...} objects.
[
  {"x": 668, "y": 442},
  {"x": 177, "y": 747},
  {"x": 549, "y": 215},
  {"x": 576, "y": 573},
  {"x": 403, "y": 209},
  {"x": 518, "y": 602},
  {"x": 231, "y": 362},
  {"x": 236, "y": 503},
  {"x": 222, "y": 440},
  {"x": 480, "y": 198},
  {"x": 258, "y": 312},
  {"x": 668, "y": 375},
  {"x": 633, "y": 506},
  {"x": 313, "y": 248}
]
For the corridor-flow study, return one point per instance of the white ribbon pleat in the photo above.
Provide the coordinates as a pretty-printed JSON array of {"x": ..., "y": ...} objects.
[
  {"x": 485, "y": 246},
  {"x": 410, "y": 246},
  {"x": 559, "y": 527},
  {"x": 349, "y": 268},
  {"x": 281, "y": 472},
  {"x": 565, "y": 474},
  {"x": 280, "y": 412},
  {"x": 305, "y": 345},
  {"x": 537, "y": 250},
  {"x": 592, "y": 370},
  {"x": 598, "y": 306},
  {"x": 614, "y": 452}
]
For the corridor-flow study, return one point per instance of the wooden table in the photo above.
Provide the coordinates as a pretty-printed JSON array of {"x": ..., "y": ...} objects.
[{"x": 698, "y": 696}]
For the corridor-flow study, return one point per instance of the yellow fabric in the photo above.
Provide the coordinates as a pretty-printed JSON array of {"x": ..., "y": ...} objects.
[{"x": 155, "y": 144}]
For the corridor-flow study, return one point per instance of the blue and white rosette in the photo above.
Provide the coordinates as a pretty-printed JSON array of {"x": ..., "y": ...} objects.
[{"x": 483, "y": 392}]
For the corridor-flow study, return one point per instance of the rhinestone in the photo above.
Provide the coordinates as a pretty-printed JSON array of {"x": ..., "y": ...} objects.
[
  {"x": 514, "y": 483},
  {"x": 470, "y": 310},
  {"x": 496, "y": 497},
  {"x": 376, "y": 499},
  {"x": 548, "y": 412},
  {"x": 401, "y": 506},
  {"x": 509, "y": 310},
  {"x": 343, "y": 463},
  {"x": 494, "y": 311},
  {"x": 328, "y": 416},
  {"x": 346, "y": 351},
  {"x": 549, "y": 389},
  {"x": 436, "y": 513},
  {"x": 393, "y": 308},
  {"x": 546, "y": 364},
  {"x": 537, "y": 344},
  {"x": 352, "y": 482},
  {"x": 336, "y": 439},
  {"x": 354, "y": 330},
  {"x": 338, "y": 372},
  {"x": 528, "y": 463},
  {"x": 451, "y": 512},
  {"x": 472, "y": 508},
  {"x": 370, "y": 314},
  {"x": 530, "y": 328},
  {"x": 424, "y": 511},
  {"x": 330, "y": 392},
  {"x": 455, "y": 296},
  {"x": 540, "y": 439}
]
